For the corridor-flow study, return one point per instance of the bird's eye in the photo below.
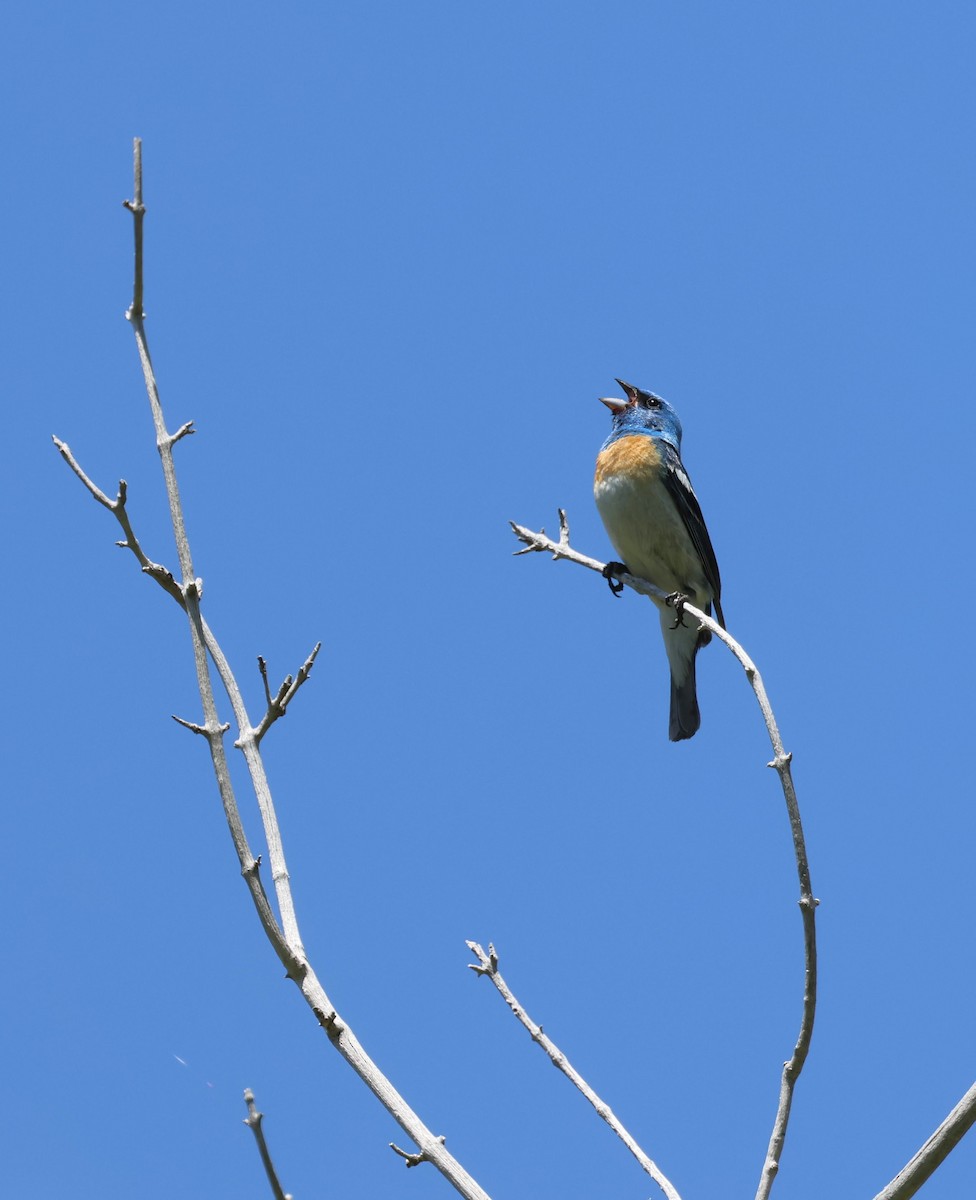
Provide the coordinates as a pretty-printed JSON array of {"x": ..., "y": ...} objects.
[{"x": 652, "y": 401}]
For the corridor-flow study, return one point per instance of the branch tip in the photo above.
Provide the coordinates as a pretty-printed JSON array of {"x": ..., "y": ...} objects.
[
  {"x": 182, "y": 432},
  {"x": 414, "y": 1160},
  {"x": 253, "y": 1122},
  {"x": 202, "y": 729},
  {"x": 263, "y": 669},
  {"x": 189, "y": 725}
]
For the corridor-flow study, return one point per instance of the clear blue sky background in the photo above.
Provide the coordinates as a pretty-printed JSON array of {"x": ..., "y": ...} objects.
[{"x": 395, "y": 252}]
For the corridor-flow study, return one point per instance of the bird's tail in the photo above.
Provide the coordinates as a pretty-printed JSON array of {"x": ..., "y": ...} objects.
[
  {"x": 685, "y": 717},
  {"x": 682, "y": 643}
]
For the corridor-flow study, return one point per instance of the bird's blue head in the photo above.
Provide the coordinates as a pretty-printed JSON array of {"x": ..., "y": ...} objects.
[{"x": 642, "y": 412}]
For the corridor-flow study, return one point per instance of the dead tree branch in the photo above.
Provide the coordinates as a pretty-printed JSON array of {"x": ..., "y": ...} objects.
[
  {"x": 254, "y": 1121},
  {"x": 488, "y": 965},
  {"x": 283, "y": 933},
  {"x": 781, "y": 763},
  {"x": 945, "y": 1139}
]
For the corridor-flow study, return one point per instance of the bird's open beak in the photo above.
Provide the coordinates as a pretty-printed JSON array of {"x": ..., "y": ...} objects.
[
  {"x": 616, "y": 405},
  {"x": 613, "y": 403}
]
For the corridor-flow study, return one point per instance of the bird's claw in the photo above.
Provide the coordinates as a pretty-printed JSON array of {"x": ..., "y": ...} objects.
[
  {"x": 677, "y": 601},
  {"x": 611, "y": 570}
]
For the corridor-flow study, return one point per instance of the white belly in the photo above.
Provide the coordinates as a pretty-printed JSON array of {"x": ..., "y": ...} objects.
[{"x": 647, "y": 532}]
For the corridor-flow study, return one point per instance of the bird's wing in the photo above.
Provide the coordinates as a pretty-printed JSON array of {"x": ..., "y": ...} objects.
[{"x": 681, "y": 492}]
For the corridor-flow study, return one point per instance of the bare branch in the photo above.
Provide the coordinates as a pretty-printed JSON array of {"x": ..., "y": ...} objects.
[
  {"x": 182, "y": 432},
  {"x": 945, "y": 1139},
  {"x": 278, "y": 704},
  {"x": 65, "y": 451},
  {"x": 562, "y": 549},
  {"x": 530, "y": 538},
  {"x": 253, "y": 1121},
  {"x": 290, "y": 937},
  {"x": 303, "y": 673},
  {"x": 138, "y": 210},
  {"x": 488, "y": 965},
  {"x": 781, "y": 763},
  {"x": 193, "y": 728},
  {"x": 284, "y": 936},
  {"x": 263, "y": 669},
  {"x": 117, "y": 507},
  {"x": 414, "y": 1160}
]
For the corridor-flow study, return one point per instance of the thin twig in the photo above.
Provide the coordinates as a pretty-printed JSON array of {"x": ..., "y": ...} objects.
[
  {"x": 253, "y": 1121},
  {"x": 263, "y": 671},
  {"x": 412, "y": 1160},
  {"x": 138, "y": 210},
  {"x": 278, "y": 704},
  {"x": 117, "y": 507},
  {"x": 488, "y": 965},
  {"x": 194, "y": 728},
  {"x": 921, "y": 1165},
  {"x": 781, "y": 763}
]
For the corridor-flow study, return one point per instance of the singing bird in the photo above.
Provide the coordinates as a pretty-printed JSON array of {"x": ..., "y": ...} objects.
[{"x": 655, "y": 523}]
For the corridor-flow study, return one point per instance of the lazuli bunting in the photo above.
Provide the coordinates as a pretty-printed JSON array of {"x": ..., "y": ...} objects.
[{"x": 655, "y": 523}]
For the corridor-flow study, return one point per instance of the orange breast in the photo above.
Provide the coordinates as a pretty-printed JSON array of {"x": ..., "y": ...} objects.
[{"x": 633, "y": 456}]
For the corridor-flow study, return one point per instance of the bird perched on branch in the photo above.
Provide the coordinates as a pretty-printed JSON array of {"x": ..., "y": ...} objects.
[{"x": 653, "y": 518}]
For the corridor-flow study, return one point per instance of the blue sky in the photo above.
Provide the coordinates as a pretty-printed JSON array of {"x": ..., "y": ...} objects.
[{"x": 394, "y": 253}]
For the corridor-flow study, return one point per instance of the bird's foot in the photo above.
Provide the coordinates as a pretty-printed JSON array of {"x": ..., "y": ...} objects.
[
  {"x": 677, "y": 601},
  {"x": 610, "y": 571}
]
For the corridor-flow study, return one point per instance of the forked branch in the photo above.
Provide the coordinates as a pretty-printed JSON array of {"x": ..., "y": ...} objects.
[
  {"x": 278, "y": 704},
  {"x": 283, "y": 934}
]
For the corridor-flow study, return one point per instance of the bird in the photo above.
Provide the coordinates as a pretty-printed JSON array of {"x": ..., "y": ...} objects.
[{"x": 654, "y": 520}]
